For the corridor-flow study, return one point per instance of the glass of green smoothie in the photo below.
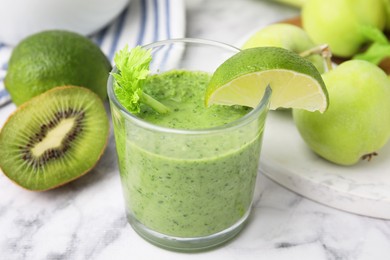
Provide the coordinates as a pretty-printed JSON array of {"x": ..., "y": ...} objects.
[{"x": 188, "y": 175}]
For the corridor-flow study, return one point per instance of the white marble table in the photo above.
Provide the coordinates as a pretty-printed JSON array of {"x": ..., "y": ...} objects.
[{"x": 86, "y": 219}]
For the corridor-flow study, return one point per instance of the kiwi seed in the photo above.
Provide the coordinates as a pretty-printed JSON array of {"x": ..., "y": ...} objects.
[{"x": 53, "y": 153}]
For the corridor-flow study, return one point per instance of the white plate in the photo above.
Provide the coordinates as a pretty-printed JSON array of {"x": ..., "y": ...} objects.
[{"x": 362, "y": 189}]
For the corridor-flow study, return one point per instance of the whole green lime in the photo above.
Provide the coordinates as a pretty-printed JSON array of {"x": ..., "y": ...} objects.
[{"x": 55, "y": 58}]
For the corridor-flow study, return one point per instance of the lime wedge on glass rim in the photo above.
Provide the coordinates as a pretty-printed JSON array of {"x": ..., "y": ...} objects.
[{"x": 243, "y": 78}]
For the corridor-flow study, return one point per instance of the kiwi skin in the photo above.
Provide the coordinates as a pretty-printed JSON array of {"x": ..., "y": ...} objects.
[{"x": 87, "y": 145}]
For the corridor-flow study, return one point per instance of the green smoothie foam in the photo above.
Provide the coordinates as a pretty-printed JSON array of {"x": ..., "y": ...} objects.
[
  {"x": 186, "y": 189},
  {"x": 183, "y": 92}
]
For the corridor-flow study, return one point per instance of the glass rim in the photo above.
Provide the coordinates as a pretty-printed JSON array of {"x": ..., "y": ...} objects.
[
  {"x": 247, "y": 118},
  {"x": 192, "y": 40}
]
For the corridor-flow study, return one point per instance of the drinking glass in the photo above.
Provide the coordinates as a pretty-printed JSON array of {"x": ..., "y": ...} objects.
[{"x": 188, "y": 190}]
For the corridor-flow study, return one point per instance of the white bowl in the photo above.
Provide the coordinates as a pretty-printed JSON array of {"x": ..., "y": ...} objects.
[{"x": 20, "y": 18}]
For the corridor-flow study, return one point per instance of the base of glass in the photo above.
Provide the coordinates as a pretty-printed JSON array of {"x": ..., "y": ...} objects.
[{"x": 187, "y": 244}]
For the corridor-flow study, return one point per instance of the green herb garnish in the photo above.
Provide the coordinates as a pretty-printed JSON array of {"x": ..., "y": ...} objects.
[
  {"x": 379, "y": 48},
  {"x": 133, "y": 69}
]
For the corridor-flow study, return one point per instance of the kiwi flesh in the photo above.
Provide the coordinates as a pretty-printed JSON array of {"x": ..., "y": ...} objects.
[{"x": 54, "y": 138}]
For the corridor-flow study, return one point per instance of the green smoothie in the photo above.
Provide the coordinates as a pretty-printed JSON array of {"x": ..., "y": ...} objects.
[
  {"x": 191, "y": 185},
  {"x": 183, "y": 92}
]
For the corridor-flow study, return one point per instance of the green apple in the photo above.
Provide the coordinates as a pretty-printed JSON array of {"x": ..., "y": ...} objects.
[
  {"x": 285, "y": 36},
  {"x": 343, "y": 24},
  {"x": 357, "y": 121}
]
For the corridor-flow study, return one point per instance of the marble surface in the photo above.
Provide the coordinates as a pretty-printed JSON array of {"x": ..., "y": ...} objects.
[{"x": 86, "y": 219}]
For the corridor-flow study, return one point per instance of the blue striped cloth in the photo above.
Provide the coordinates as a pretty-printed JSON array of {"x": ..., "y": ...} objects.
[{"x": 142, "y": 22}]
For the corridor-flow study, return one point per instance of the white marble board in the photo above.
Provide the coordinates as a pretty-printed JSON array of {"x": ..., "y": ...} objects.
[{"x": 362, "y": 189}]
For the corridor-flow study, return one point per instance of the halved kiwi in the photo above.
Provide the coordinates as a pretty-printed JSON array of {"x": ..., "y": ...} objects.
[{"x": 54, "y": 138}]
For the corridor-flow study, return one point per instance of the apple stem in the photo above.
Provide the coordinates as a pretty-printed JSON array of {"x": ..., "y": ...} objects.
[
  {"x": 325, "y": 52},
  {"x": 327, "y": 55}
]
